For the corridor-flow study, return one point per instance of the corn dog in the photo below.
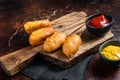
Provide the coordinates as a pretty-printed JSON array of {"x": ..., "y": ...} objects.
[
  {"x": 32, "y": 26},
  {"x": 38, "y": 36},
  {"x": 71, "y": 45},
  {"x": 54, "y": 42}
]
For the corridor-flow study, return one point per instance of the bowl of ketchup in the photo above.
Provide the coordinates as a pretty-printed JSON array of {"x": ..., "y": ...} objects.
[{"x": 99, "y": 24}]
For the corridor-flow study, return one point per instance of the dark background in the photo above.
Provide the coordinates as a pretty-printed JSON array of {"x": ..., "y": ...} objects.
[{"x": 13, "y": 13}]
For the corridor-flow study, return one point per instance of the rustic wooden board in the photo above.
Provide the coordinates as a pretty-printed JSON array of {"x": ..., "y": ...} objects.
[
  {"x": 70, "y": 23},
  {"x": 90, "y": 43}
]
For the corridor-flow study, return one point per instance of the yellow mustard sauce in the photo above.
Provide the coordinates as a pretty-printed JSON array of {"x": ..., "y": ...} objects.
[{"x": 111, "y": 52}]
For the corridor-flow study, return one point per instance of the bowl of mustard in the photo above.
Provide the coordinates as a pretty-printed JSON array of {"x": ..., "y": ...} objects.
[{"x": 109, "y": 52}]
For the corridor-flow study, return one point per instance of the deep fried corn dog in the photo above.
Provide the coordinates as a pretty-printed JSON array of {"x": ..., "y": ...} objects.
[
  {"x": 38, "y": 36},
  {"x": 71, "y": 45},
  {"x": 35, "y": 25},
  {"x": 54, "y": 42}
]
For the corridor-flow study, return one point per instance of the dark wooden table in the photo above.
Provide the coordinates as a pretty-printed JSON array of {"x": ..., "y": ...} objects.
[
  {"x": 97, "y": 70},
  {"x": 14, "y": 13}
]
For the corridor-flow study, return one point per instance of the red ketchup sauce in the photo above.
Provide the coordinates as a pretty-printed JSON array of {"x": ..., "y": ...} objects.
[{"x": 99, "y": 21}]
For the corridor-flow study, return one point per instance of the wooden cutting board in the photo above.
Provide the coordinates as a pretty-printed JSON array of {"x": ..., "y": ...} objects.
[{"x": 70, "y": 23}]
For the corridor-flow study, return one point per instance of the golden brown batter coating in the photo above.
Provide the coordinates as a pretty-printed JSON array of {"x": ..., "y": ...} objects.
[
  {"x": 38, "y": 36},
  {"x": 54, "y": 42},
  {"x": 71, "y": 45},
  {"x": 32, "y": 26}
]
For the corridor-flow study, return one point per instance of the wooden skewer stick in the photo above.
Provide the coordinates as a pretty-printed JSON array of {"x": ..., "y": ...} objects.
[
  {"x": 75, "y": 29},
  {"x": 70, "y": 26},
  {"x": 65, "y": 21}
]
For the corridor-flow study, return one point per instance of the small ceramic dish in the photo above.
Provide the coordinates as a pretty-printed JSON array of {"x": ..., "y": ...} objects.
[
  {"x": 99, "y": 31},
  {"x": 105, "y": 59}
]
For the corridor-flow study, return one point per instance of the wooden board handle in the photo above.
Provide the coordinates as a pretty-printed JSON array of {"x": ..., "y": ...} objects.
[{"x": 16, "y": 61}]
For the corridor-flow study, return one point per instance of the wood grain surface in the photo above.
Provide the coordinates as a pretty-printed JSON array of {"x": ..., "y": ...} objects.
[{"x": 16, "y": 61}]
